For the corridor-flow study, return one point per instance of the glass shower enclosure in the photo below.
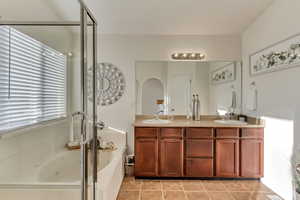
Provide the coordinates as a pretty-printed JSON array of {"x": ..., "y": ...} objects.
[{"x": 48, "y": 113}]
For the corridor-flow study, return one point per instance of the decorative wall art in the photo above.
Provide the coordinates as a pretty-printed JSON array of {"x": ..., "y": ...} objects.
[
  {"x": 224, "y": 74},
  {"x": 110, "y": 84},
  {"x": 282, "y": 55}
]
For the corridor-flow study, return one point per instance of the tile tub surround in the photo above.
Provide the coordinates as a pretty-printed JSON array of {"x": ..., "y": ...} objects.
[{"x": 159, "y": 189}]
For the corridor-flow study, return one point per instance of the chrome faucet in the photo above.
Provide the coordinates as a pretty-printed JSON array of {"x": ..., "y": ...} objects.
[{"x": 158, "y": 113}]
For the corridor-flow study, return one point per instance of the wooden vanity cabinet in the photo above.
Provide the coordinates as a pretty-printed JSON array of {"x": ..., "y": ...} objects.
[
  {"x": 252, "y": 153},
  {"x": 171, "y": 152},
  {"x": 227, "y": 157},
  {"x": 146, "y": 152},
  {"x": 199, "y": 152},
  {"x": 227, "y": 152}
]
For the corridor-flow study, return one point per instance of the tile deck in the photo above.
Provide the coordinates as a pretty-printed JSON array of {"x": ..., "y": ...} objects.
[{"x": 145, "y": 189}]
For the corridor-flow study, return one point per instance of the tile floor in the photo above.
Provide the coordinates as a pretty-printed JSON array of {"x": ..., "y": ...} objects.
[{"x": 138, "y": 189}]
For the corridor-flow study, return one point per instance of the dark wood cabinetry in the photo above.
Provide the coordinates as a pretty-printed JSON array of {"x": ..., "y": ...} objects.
[
  {"x": 146, "y": 148},
  {"x": 227, "y": 157},
  {"x": 199, "y": 152},
  {"x": 171, "y": 157},
  {"x": 146, "y": 159},
  {"x": 199, "y": 148},
  {"x": 199, "y": 167},
  {"x": 252, "y": 153},
  {"x": 171, "y": 152}
]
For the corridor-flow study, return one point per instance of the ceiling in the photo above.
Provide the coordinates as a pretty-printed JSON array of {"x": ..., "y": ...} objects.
[
  {"x": 176, "y": 17},
  {"x": 157, "y": 17}
]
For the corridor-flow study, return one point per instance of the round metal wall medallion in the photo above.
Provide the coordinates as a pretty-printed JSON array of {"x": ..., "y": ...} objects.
[{"x": 110, "y": 84}]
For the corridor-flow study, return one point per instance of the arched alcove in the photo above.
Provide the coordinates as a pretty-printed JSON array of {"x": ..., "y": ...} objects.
[{"x": 152, "y": 90}]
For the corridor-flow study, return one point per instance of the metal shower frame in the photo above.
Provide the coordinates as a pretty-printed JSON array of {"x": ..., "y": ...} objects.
[{"x": 85, "y": 142}]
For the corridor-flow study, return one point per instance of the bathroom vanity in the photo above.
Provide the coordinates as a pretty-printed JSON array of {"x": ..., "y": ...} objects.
[
  {"x": 198, "y": 149},
  {"x": 185, "y": 148}
]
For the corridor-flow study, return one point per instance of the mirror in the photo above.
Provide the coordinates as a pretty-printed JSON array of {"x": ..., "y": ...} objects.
[{"x": 167, "y": 87}]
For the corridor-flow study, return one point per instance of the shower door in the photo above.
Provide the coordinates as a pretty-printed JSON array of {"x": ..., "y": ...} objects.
[
  {"x": 89, "y": 140},
  {"x": 51, "y": 64}
]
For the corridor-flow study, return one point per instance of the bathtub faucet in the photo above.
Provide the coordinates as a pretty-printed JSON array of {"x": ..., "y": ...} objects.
[{"x": 103, "y": 145}]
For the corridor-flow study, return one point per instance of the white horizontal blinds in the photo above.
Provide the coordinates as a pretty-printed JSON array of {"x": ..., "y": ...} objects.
[
  {"x": 36, "y": 82},
  {"x": 4, "y": 63}
]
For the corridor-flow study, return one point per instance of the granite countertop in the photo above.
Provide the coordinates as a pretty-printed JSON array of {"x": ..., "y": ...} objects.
[{"x": 207, "y": 122}]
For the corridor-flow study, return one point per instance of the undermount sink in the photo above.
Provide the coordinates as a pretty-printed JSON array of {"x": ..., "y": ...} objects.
[
  {"x": 156, "y": 121},
  {"x": 231, "y": 122}
]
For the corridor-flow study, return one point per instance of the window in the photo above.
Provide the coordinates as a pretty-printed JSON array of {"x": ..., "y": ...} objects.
[{"x": 32, "y": 81}]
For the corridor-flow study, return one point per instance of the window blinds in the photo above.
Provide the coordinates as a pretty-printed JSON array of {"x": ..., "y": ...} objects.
[{"x": 32, "y": 81}]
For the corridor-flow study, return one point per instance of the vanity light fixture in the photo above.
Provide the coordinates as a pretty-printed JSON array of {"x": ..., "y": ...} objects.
[{"x": 188, "y": 56}]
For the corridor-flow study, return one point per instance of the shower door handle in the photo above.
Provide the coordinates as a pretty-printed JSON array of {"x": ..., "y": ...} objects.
[{"x": 100, "y": 125}]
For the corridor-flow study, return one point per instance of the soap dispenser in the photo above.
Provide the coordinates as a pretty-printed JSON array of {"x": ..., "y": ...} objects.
[
  {"x": 194, "y": 107},
  {"x": 197, "y": 108}
]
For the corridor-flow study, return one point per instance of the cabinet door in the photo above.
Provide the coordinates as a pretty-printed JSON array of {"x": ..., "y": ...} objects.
[
  {"x": 146, "y": 157},
  {"x": 227, "y": 158},
  {"x": 199, "y": 167},
  {"x": 252, "y": 158},
  {"x": 171, "y": 157}
]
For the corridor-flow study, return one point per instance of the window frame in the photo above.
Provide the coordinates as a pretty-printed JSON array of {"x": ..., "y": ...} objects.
[{"x": 46, "y": 122}]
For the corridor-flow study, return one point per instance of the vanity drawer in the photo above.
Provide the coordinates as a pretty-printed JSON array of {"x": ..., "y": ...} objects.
[
  {"x": 199, "y": 148},
  {"x": 252, "y": 133},
  {"x": 227, "y": 132},
  {"x": 171, "y": 132},
  {"x": 199, "y": 167},
  {"x": 198, "y": 133},
  {"x": 146, "y": 132}
]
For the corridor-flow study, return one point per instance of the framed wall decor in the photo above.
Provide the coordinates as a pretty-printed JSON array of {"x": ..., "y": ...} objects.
[
  {"x": 279, "y": 56},
  {"x": 224, "y": 74}
]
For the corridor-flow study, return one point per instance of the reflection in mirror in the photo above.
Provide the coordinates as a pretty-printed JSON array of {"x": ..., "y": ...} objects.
[
  {"x": 218, "y": 85},
  {"x": 152, "y": 91}
]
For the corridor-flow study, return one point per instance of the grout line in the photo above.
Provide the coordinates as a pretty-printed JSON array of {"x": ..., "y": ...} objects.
[{"x": 206, "y": 191}]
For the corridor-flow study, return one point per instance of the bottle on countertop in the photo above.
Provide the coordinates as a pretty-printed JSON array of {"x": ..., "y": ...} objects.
[
  {"x": 193, "y": 107},
  {"x": 197, "y": 107}
]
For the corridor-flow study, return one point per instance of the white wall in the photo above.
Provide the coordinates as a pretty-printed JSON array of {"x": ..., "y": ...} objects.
[
  {"x": 123, "y": 51},
  {"x": 278, "y": 93}
]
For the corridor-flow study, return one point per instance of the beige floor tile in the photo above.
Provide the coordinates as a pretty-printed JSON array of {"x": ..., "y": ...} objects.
[
  {"x": 155, "y": 189},
  {"x": 131, "y": 186},
  {"x": 214, "y": 186},
  {"x": 131, "y": 179},
  {"x": 263, "y": 196},
  {"x": 172, "y": 186},
  {"x": 151, "y": 185},
  {"x": 241, "y": 195},
  {"x": 256, "y": 187},
  {"x": 151, "y": 195},
  {"x": 235, "y": 186},
  {"x": 174, "y": 195},
  {"x": 220, "y": 196},
  {"x": 193, "y": 186},
  {"x": 197, "y": 196},
  {"x": 129, "y": 195},
  {"x": 259, "y": 196}
]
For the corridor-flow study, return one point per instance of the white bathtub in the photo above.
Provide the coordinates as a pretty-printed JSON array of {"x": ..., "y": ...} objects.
[{"x": 59, "y": 177}]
